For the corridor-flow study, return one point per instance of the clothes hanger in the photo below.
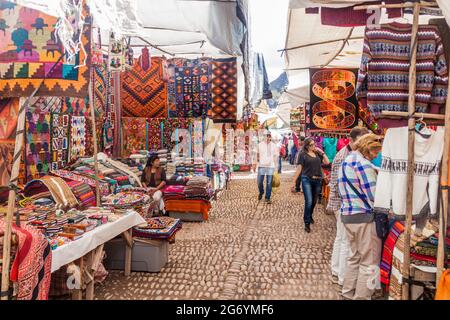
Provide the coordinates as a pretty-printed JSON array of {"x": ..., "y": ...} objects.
[{"x": 422, "y": 129}]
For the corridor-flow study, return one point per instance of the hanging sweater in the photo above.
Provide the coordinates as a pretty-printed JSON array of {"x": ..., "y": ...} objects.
[
  {"x": 392, "y": 178},
  {"x": 383, "y": 79}
]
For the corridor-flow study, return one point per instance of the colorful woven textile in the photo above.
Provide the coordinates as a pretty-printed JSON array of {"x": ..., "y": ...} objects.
[
  {"x": 28, "y": 52},
  {"x": 38, "y": 155},
  {"x": 193, "y": 88},
  {"x": 77, "y": 138},
  {"x": 154, "y": 134},
  {"x": 69, "y": 175},
  {"x": 158, "y": 228},
  {"x": 9, "y": 110},
  {"x": 171, "y": 90},
  {"x": 224, "y": 90},
  {"x": 76, "y": 106},
  {"x": 196, "y": 206},
  {"x": 60, "y": 141},
  {"x": 84, "y": 194},
  {"x": 47, "y": 104},
  {"x": 388, "y": 251},
  {"x": 170, "y": 126},
  {"x": 31, "y": 268},
  {"x": 144, "y": 93},
  {"x": 198, "y": 138},
  {"x": 134, "y": 135}
]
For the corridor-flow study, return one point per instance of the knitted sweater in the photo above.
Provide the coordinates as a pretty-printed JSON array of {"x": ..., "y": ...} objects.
[
  {"x": 383, "y": 77},
  {"x": 392, "y": 178}
]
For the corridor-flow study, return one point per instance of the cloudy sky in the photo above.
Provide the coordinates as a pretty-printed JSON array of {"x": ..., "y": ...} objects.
[{"x": 269, "y": 20}]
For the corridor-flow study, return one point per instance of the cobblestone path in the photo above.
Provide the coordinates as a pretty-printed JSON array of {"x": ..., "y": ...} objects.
[{"x": 247, "y": 250}]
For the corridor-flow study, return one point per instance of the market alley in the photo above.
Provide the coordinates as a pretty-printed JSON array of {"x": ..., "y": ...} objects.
[{"x": 245, "y": 251}]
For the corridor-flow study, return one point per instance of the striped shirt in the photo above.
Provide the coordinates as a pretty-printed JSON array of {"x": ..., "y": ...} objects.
[{"x": 363, "y": 176}]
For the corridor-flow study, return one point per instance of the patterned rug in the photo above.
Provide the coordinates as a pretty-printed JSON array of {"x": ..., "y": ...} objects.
[
  {"x": 193, "y": 89},
  {"x": 224, "y": 90},
  {"x": 144, "y": 93},
  {"x": 171, "y": 91},
  {"x": 9, "y": 110},
  {"x": 6, "y": 159},
  {"x": 154, "y": 134},
  {"x": 76, "y": 106},
  {"x": 38, "y": 156},
  {"x": 77, "y": 138},
  {"x": 28, "y": 52},
  {"x": 134, "y": 135},
  {"x": 47, "y": 104},
  {"x": 60, "y": 141}
]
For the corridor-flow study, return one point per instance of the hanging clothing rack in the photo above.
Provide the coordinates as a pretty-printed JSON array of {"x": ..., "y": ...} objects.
[{"x": 411, "y": 115}]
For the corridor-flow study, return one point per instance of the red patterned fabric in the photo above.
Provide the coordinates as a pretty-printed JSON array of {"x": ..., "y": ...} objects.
[
  {"x": 134, "y": 133},
  {"x": 144, "y": 93},
  {"x": 224, "y": 90},
  {"x": 31, "y": 268}
]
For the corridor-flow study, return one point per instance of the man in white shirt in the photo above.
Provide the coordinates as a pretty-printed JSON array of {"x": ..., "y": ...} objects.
[{"x": 268, "y": 153}]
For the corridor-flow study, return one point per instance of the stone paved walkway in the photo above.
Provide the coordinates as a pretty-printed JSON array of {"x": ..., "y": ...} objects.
[{"x": 247, "y": 250}]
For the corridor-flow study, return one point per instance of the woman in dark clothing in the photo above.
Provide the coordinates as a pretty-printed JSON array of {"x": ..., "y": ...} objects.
[
  {"x": 309, "y": 168},
  {"x": 154, "y": 178}
]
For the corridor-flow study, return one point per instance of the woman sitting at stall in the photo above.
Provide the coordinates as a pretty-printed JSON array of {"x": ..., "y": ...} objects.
[{"x": 154, "y": 178}]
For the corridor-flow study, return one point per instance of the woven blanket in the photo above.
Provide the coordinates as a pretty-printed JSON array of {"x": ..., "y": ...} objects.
[
  {"x": 47, "y": 104},
  {"x": 77, "y": 138},
  {"x": 38, "y": 155},
  {"x": 388, "y": 250},
  {"x": 6, "y": 160},
  {"x": 31, "y": 268},
  {"x": 69, "y": 175},
  {"x": 134, "y": 135},
  {"x": 144, "y": 93},
  {"x": 28, "y": 52},
  {"x": 60, "y": 141},
  {"x": 197, "y": 206},
  {"x": 60, "y": 191},
  {"x": 198, "y": 138},
  {"x": 101, "y": 88},
  {"x": 154, "y": 134},
  {"x": 158, "y": 228},
  {"x": 171, "y": 90},
  {"x": 193, "y": 89},
  {"x": 84, "y": 194},
  {"x": 224, "y": 90},
  {"x": 170, "y": 126}
]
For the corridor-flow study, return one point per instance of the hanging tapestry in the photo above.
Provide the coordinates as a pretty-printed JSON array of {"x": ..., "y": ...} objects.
[
  {"x": 76, "y": 106},
  {"x": 9, "y": 110},
  {"x": 224, "y": 90},
  {"x": 101, "y": 88},
  {"x": 134, "y": 135},
  {"x": 144, "y": 93},
  {"x": 89, "y": 148},
  {"x": 38, "y": 156},
  {"x": 171, "y": 65},
  {"x": 333, "y": 99},
  {"x": 193, "y": 88},
  {"x": 154, "y": 134},
  {"x": 29, "y": 51},
  {"x": 47, "y": 104},
  {"x": 77, "y": 138},
  {"x": 60, "y": 141}
]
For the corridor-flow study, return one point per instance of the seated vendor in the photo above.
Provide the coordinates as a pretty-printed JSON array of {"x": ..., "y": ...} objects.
[{"x": 154, "y": 177}]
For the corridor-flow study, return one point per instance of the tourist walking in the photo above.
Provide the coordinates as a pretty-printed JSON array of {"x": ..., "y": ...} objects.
[
  {"x": 357, "y": 181},
  {"x": 310, "y": 163},
  {"x": 340, "y": 247},
  {"x": 268, "y": 154}
]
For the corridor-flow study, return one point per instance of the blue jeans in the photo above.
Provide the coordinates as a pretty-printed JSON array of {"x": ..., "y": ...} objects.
[
  {"x": 262, "y": 173},
  {"x": 311, "y": 190},
  {"x": 280, "y": 160}
]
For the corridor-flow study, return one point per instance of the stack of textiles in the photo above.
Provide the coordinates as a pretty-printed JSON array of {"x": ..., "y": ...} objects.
[
  {"x": 163, "y": 157},
  {"x": 424, "y": 253},
  {"x": 121, "y": 179},
  {"x": 159, "y": 228},
  {"x": 171, "y": 169},
  {"x": 199, "y": 167},
  {"x": 388, "y": 250},
  {"x": 174, "y": 192},
  {"x": 88, "y": 179},
  {"x": 189, "y": 166},
  {"x": 56, "y": 187},
  {"x": 180, "y": 169},
  {"x": 84, "y": 194},
  {"x": 199, "y": 188}
]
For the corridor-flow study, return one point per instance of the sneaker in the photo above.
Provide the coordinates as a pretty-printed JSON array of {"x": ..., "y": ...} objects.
[
  {"x": 260, "y": 197},
  {"x": 307, "y": 228},
  {"x": 268, "y": 201},
  {"x": 334, "y": 279},
  {"x": 312, "y": 221}
]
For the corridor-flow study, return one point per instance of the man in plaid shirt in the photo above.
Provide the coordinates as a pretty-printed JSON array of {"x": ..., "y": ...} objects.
[{"x": 340, "y": 248}]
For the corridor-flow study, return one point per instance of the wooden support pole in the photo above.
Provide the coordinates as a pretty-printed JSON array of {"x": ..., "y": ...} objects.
[
  {"x": 127, "y": 236},
  {"x": 411, "y": 143},
  {"x": 94, "y": 129},
  {"x": 399, "y": 5},
  {"x": 20, "y": 139},
  {"x": 443, "y": 212},
  {"x": 418, "y": 115}
]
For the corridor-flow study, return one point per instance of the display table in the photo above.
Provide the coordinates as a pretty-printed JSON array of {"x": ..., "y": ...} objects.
[{"x": 91, "y": 246}]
